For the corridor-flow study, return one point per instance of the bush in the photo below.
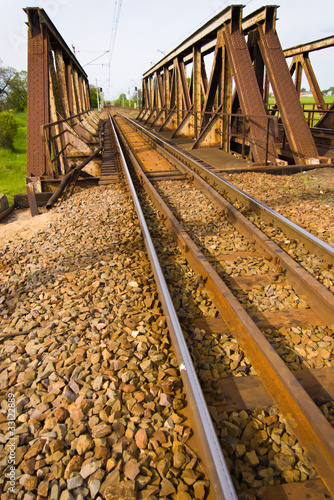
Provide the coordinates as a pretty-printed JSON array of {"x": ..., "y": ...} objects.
[{"x": 8, "y": 129}]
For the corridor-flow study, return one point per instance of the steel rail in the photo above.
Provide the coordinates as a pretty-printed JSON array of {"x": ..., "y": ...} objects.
[
  {"x": 220, "y": 480},
  {"x": 311, "y": 428},
  {"x": 316, "y": 295},
  {"x": 311, "y": 242}
]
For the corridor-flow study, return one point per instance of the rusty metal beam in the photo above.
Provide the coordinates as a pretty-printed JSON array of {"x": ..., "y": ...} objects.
[
  {"x": 38, "y": 95},
  {"x": 55, "y": 36},
  {"x": 58, "y": 92},
  {"x": 206, "y": 35},
  {"x": 246, "y": 83},
  {"x": 300, "y": 138},
  {"x": 310, "y": 47}
]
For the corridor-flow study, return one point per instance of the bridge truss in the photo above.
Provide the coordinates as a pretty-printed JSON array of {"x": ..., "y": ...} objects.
[
  {"x": 230, "y": 108},
  {"x": 62, "y": 128}
]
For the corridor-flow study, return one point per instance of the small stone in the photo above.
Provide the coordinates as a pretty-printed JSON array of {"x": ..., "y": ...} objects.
[
  {"x": 94, "y": 486},
  {"x": 111, "y": 479},
  {"x": 74, "y": 465},
  {"x": 61, "y": 414},
  {"x": 251, "y": 458},
  {"x": 69, "y": 393},
  {"x": 291, "y": 475},
  {"x": 84, "y": 444},
  {"x": 97, "y": 384},
  {"x": 166, "y": 488},
  {"x": 163, "y": 466},
  {"x": 35, "y": 449},
  {"x": 165, "y": 400},
  {"x": 56, "y": 445},
  {"x": 101, "y": 430},
  {"x": 189, "y": 476},
  {"x": 127, "y": 376},
  {"x": 54, "y": 493},
  {"x": 28, "y": 482},
  {"x": 125, "y": 490},
  {"x": 199, "y": 490},
  {"x": 141, "y": 438},
  {"x": 90, "y": 468},
  {"x": 74, "y": 482},
  {"x": 66, "y": 495},
  {"x": 131, "y": 469},
  {"x": 179, "y": 459},
  {"x": 267, "y": 473},
  {"x": 284, "y": 462}
]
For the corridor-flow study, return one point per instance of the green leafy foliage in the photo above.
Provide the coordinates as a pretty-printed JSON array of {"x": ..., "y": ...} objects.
[
  {"x": 13, "y": 89},
  {"x": 93, "y": 96},
  {"x": 8, "y": 129},
  {"x": 17, "y": 94},
  {"x": 13, "y": 162}
]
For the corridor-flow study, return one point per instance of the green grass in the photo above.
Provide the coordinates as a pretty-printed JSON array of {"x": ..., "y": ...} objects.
[
  {"x": 13, "y": 163},
  {"x": 308, "y": 102}
]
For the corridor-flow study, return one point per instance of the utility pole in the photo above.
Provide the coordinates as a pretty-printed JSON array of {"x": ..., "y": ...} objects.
[
  {"x": 136, "y": 89},
  {"x": 129, "y": 98},
  {"x": 97, "y": 96}
]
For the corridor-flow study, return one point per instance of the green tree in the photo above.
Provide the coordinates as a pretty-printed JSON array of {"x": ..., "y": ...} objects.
[
  {"x": 6, "y": 75},
  {"x": 17, "y": 94},
  {"x": 8, "y": 129},
  {"x": 93, "y": 96},
  {"x": 121, "y": 101}
]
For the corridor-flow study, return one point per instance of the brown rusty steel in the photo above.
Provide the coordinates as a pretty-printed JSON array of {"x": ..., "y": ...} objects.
[
  {"x": 310, "y": 47},
  {"x": 58, "y": 92},
  {"x": 305, "y": 419},
  {"x": 298, "y": 133},
  {"x": 246, "y": 83},
  {"x": 253, "y": 66},
  {"x": 38, "y": 96}
]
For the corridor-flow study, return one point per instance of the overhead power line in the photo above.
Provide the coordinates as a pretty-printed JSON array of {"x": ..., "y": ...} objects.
[
  {"x": 117, "y": 12},
  {"x": 96, "y": 58}
]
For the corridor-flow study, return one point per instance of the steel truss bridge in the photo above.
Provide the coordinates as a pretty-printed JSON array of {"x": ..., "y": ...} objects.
[{"x": 228, "y": 108}]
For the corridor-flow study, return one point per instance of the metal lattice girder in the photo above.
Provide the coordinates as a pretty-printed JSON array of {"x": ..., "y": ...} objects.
[
  {"x": 191, "y": 109},
  {"x": 57, "y": 89},
  {"x": 296, "y": 128},
  {"x": 247, "y": 85}
]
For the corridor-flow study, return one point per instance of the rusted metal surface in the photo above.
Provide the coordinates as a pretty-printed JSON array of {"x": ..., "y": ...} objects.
[
  {"x": 38, "y": 96},
  {"x": 253, "y": 67},
  {"x": 210, "y": 452},
  {"x": 305, "y": 419},
  {"x": 310, "y": 47},
  {"x": 298, "y": 133},
  {"x": 316, "y": 246},
  {"x": 247, "y": 85},
  {"x": 60, "y": 120}
]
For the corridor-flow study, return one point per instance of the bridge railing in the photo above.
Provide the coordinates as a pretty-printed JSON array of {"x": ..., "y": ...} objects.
[{"x": 229, "y": 131}]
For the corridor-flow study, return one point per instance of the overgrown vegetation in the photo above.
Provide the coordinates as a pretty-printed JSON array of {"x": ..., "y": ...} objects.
[
  {"x": 13, "y": 163},
  {"x": 13, "y": 89},
  {"x": 8, "y": 130}
]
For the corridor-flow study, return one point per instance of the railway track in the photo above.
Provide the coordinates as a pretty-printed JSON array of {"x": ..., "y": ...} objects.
[{"x": 257, "y": 325}]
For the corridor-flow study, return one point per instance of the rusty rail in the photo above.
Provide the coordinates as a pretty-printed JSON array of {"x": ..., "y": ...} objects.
[
  {"x": 221, "y": 482},
  {"x": 312, "y": 429}
]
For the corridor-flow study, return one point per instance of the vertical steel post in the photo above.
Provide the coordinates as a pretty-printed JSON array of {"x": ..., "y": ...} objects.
[
  {"x": 38, "y": 94},
  {"x": 197, "y": 101}
]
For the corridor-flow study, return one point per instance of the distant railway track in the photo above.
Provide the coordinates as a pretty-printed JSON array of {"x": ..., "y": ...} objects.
[{"x": 257, "y": 325}]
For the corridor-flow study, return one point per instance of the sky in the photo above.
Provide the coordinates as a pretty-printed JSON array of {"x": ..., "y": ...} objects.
[{"x": 148, "y": 29}]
